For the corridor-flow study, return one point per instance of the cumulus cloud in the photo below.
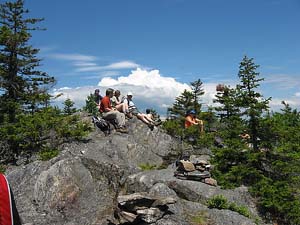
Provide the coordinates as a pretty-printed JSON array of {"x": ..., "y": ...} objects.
[{"x": 150, "y": 90}]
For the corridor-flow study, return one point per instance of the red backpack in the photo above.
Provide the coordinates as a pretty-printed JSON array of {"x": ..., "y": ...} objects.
[{"x": 8, "y": 211}]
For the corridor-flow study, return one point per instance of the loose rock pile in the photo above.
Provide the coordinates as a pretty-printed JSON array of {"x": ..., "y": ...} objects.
[
  {"x": 198, "y": 171},
  {"x": 141, "y": 207}
]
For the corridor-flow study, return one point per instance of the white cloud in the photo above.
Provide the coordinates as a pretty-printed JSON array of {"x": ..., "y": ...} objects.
[
  {"x": 109, "y": 73},
  {"x": 152, "y": 90},
  {"x": 122, "y": 65},
  {"x": 283, "y": 81},
  {"x": 73, "y": 57},
  {"x": 80, "y": 64},
  {"x": 113, "y": 66}
]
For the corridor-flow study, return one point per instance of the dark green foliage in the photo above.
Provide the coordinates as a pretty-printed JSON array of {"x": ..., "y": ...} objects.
[
  {"x": 270, "y": 166},
  {"x": 147, "y": 166},
  {"x": 197, "y": 91},
  {"x": 227, "y": 100},
  {"x": 2, "y": 168},
  {"x": 174, "y": 127},
  {"x": 182, "y": 104},
  {"x": 90, "y": 105},
  {"x": 32, "y": 133},
  {"x": 48, "y": 154},
  {"x": 176, "y": 114},
  {"x": 220, "y": 202},
  {"x": 68, "y": 107},
  {"x": 250, "y": 101},
  {"x": 22, "y": 86}
]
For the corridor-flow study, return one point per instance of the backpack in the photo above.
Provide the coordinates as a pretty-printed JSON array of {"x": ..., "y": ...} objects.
[{"x": 102, "y": 124}]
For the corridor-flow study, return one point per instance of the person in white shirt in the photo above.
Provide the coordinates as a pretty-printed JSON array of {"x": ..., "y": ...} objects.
[{"x": 134, "y": 110}]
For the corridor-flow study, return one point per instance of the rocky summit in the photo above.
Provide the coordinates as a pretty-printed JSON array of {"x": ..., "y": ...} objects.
[{"x": 122, "y": 178}]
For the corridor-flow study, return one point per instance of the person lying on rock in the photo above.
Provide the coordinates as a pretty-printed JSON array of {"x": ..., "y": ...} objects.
[
  {"x": 150, "y": 117},
  {"x": 133, "y": 110}
]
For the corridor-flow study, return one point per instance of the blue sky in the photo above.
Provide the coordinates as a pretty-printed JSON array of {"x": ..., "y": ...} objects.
[{"x": 156, "y": 48}]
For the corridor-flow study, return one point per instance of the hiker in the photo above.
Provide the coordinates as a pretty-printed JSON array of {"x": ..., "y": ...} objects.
[
  {"x": 150, "y": 117},
  {"x": 246, "y": 138},
  {"x": 97, "y": 98},
  {"x": 133, "y": 110},
  {"x": 8, "y": 212},
  {"x": 191, "y": 120},
  {"x": 111, "y": 114},
  {"x": 117, "y": 103}
]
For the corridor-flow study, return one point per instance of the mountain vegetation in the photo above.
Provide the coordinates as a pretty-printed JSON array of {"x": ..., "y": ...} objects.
[
  {"x": 268, "y": 162},
  {"x": 28, "y": 123}
]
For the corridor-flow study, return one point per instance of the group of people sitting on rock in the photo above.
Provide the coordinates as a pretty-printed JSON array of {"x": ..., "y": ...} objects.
[{"x": 115, "y": 108}]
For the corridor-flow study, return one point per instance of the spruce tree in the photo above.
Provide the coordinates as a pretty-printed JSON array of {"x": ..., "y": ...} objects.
[
  {"x": 198, "y": 91},
  {"x": 182, "y": 104},
  {"x": 68, "y": 107},
  {"x": 22, "y": 85},
  {"x": 251, "y": 102},
  {"x": 188, "y": 100}
]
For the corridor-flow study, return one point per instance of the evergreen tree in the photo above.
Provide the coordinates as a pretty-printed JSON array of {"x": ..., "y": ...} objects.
[
  {"x": 182, "y": 104},
  {"x": 197, "y": 91},
  {"x": 21, "y": 83},
  {"x": 188, "y": 100},
  {"x": 227, "y": 107},
  {"x": 249, "y": 100},
  {"x": 90, "y": 105},
  {"x": 68, "y": 107}
]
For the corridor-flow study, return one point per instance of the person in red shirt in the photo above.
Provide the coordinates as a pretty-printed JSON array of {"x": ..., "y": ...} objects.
[
  {"x": 109, "y": 113},
  {"x": 191, "y": 120}
]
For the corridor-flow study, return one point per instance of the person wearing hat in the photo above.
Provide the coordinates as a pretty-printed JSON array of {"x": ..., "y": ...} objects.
[
  {"x": 191, "y": 120},
  {"x": 134, "y": 110}
]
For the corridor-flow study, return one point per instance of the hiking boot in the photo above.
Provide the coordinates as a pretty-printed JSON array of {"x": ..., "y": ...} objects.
[
  {"x": 122, "y": 130},
  {"x": 157, "y": 123},
  {"x": 151, "y": 126},
  {"x": 129, "y": 115}
]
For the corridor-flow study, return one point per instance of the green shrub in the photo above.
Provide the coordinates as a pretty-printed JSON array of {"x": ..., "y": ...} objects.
[
  {"x": 48, "y": 154},
  {"x": 147, "y": 166},
  {"x": 243, "y": 210},
  {"x": 220, "y": 202},
  {"x": 2, "y": 168},
  {"x": 199, "y": 219}
]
